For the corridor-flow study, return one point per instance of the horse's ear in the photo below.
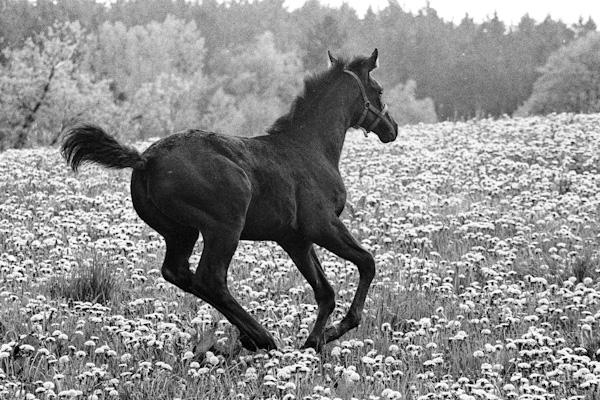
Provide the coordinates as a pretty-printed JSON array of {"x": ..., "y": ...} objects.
[
  {"x": 332, "y": 59},
  {"x": 373, "y": 62}
]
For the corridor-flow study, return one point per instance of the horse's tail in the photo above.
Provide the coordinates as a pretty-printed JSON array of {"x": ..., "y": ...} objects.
[{"x": 89, "y": 143}]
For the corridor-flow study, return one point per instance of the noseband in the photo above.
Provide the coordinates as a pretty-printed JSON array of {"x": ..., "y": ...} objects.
[{"x": 380, "y": 115}]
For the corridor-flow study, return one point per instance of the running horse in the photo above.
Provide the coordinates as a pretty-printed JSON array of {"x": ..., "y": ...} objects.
[{"x": 284, "y": 186}]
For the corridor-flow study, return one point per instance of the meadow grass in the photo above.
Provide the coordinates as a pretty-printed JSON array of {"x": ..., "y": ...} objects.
[{"x": 485, "y": 236}]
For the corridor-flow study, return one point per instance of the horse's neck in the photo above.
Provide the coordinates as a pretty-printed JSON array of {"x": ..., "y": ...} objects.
[
  {"x": 327, "y": 132},
  {"x": 332, "y": 142}
]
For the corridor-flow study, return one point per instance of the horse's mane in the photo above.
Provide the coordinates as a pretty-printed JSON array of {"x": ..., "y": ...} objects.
[{"x": 314, "y": 87}]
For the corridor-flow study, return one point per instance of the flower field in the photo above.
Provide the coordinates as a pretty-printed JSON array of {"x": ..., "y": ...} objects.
[{"x": 486, "y": 239}]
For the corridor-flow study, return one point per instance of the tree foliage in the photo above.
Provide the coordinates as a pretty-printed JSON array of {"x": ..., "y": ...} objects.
[
  {"x": 43, "y": 87},
  {"x": 132, "y": 56},
  {"x": 175, "y": 63},
  {"x": 258, "y": 83},
  {"x": 167, "y": 104},
  {"x": 326, "y": 34},
  {"x": 570, "y": 80}
]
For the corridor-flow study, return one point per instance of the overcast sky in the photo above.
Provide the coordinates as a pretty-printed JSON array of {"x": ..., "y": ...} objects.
[{"x": 509, "y": 11}]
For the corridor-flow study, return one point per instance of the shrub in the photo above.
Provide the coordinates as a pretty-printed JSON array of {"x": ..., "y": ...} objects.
[
  {"x": 94, "y": 282},
  {"x": 406, "y": 108}
]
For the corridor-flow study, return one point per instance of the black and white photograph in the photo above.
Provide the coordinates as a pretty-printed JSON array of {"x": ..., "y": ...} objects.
[{"x": 299, "y": 200}]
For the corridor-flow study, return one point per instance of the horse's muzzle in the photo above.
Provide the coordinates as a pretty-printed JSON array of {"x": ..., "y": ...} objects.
[{"x": 392, "y": 133}]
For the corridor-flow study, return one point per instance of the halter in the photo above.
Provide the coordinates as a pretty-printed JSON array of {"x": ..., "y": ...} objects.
[{"x": 369, "y": 107}]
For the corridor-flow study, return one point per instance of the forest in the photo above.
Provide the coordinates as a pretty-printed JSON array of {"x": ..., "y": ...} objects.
[{"x": 147, "y": 67}]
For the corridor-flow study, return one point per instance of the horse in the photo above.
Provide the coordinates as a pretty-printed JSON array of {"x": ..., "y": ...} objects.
[{"x": 284, "y": 186}]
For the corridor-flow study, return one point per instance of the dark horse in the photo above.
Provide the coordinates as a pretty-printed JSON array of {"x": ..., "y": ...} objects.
[{"x": 284, "y": 186}]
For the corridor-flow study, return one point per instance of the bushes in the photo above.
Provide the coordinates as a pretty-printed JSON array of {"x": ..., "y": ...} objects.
[
  {"x": 570, "y": 80},
  {"x": 406, "y": 108},
  {"x": 94, "y": 282}
]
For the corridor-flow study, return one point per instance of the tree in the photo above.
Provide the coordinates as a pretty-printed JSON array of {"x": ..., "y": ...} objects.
[
  {"x": 570, "y": 80},
  {"x": 143, "y": 12},
  {"x": 583, "y": 28},
  {"x": 22, "y": 19},
  {"x": 130, "y": 57},
  {"x": 168, "y": 104},
  {"x": 324, "y": 35},
  {"x": 257, "y": 83},
  {"x": 43, "y": 88}
]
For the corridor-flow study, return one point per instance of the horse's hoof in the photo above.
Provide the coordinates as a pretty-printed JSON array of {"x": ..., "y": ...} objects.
[
  {"x": 332, "y": 333},
  {"x": 315, "y": 344},
  {"x": 270, "y": 345},
  {"x": 247, "y": 343},
  {"x": 264, "y": 342},
  {"x": 230, "y": 352}
]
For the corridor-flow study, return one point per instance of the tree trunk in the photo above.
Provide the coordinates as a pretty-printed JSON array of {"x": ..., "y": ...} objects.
[{"x": 23, "y": 130}]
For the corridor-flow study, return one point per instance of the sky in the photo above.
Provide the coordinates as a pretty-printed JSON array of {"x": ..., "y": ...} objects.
[{"x": 509, "y": 11}]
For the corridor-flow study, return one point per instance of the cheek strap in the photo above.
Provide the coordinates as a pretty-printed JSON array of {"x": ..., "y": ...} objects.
[{"x": 379, "y": 114}]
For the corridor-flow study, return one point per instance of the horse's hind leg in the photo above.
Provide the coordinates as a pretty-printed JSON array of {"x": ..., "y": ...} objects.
[
  {"x": 210, "y": 284},
  {"x": 304, "y": 256},
  {"x": 180, "y": 239},
  {"x": 176, "y": 266}
]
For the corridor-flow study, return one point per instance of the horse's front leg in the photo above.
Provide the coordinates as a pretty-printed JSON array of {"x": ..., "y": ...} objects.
[
  {"x": 335, "y": 237},
  {"x": 304, "y": 256}
]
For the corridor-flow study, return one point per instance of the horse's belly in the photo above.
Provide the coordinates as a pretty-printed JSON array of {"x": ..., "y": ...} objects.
[{"x": 270, "y": 220}]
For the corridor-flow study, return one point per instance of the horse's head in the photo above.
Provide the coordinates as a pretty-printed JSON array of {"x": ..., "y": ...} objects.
[{"x": 369, "y": 112}]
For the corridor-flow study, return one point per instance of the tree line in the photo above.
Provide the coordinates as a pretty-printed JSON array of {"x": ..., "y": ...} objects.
[{"x": 176, "y": 62}]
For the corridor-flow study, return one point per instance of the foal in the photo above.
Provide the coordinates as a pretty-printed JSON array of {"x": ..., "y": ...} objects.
[{"x": 284, "y": 186}]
